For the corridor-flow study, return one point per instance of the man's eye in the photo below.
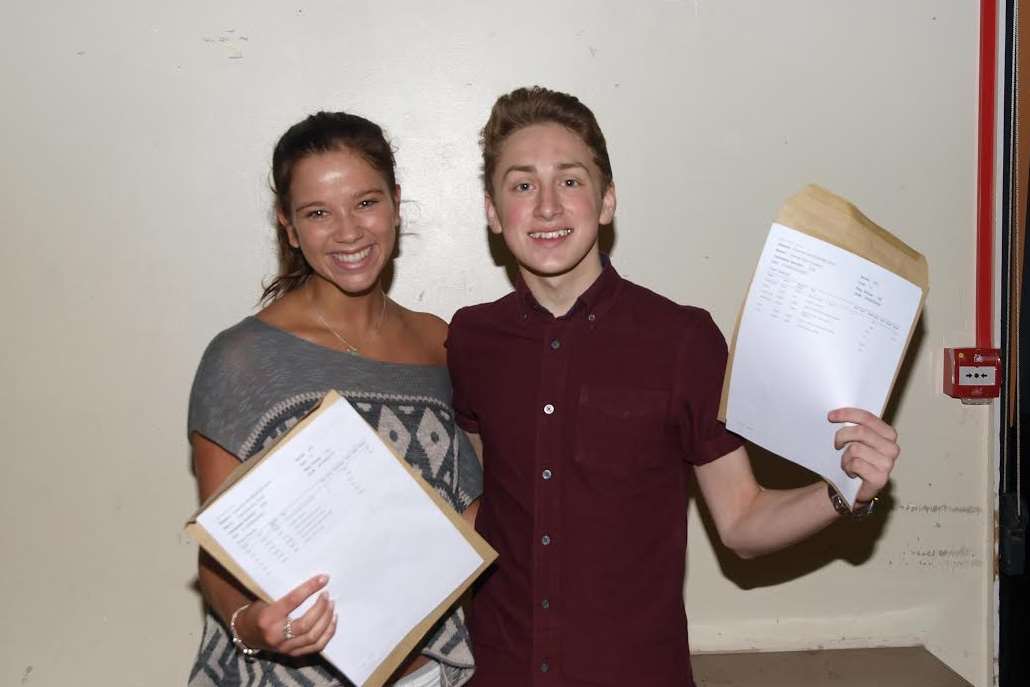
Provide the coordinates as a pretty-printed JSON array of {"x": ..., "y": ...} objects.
[
  {"x": 571, "y": 183},
  {"x": 367, "y": 202},
  {"x": 316, "y": 214},
  {"x": 523, "y": 186}
]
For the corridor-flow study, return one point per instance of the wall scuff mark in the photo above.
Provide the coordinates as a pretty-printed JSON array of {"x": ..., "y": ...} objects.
[{"x": 938, "y": 508}]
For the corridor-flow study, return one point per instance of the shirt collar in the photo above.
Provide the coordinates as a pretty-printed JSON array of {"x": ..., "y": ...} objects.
[{"x": 591, "y": 303}]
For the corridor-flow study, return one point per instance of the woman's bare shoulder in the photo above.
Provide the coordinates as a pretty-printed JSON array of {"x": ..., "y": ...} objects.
[
  {"x": 284, "y": 312},
  {"x": 428, "y": 329}
]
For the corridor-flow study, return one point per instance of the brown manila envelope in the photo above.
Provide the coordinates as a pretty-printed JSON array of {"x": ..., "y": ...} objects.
[
  {"x": 331, "y": 497},
  {"x": 815, "y": 320}
]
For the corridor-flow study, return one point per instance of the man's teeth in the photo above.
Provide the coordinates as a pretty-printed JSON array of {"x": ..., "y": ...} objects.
[
  {"x": 353, "y": 257},
  {"x": 556, "y": 234}
]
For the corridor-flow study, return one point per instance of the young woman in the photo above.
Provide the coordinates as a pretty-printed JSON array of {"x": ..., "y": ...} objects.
[{"x": 327, "y": 324}]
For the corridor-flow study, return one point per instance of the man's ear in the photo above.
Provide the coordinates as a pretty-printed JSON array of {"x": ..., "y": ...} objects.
[
  {"x": 491, "y": 215},
  {"x": 284, "y": 222},
  {"x": 608, "y": 205}
]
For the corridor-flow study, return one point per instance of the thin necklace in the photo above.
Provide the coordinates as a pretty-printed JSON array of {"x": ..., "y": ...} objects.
[{"x": 348, "y": 346}]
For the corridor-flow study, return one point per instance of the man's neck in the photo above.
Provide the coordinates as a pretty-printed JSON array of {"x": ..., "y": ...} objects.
[{"x": 558, "y": 293}]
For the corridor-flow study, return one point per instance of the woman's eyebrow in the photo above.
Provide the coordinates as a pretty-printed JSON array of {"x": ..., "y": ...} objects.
[{"x": 359, "y": 194}]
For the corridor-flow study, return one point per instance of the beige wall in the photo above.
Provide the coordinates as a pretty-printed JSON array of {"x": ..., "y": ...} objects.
[{"x": 136, "y": 137}]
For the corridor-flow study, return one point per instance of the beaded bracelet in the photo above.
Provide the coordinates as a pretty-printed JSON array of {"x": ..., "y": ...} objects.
[{"x": 236, "y": 641}]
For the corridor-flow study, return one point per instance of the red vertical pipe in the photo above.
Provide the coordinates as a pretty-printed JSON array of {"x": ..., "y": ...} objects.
[{"x": 985, "y": 174}]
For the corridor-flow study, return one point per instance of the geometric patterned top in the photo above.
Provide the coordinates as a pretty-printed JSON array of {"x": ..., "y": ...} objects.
[{"x": 253, "y": 384}]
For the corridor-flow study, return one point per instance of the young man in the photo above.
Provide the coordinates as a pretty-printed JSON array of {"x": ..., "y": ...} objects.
[{"x": 592, "y": 397}]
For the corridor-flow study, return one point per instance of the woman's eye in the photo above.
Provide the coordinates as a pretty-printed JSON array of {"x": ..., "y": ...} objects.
[
  {"x": 318, "y": 213},
  {"x": 367, "y": 202}
]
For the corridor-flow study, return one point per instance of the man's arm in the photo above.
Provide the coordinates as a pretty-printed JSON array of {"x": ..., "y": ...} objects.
[{"x": 753, "y": 521}]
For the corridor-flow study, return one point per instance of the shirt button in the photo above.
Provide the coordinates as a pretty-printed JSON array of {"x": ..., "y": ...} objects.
[
  {"x": 545, "y": 540},
  {"x": 555, "y": 344},
  {"x": 545, "y": 603},
  {"x": 548, "y": 409},
  {"x": 544, "y": 667},
  {"x": 546, "y": 474},
  {"x": 591, "y": 317}
]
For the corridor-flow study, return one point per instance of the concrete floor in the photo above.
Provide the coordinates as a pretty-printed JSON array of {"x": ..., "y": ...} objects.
[{"x": 884, "y": 667}]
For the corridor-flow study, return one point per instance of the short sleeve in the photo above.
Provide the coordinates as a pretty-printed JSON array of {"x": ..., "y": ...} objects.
[
  {"x": 700, "y": 367},
  {"x": 460, "y": 368},
  {"x": 218, "y": 402}
]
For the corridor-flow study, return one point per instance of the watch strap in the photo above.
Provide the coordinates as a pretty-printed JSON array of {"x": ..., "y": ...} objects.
[{"x": 862, "y": 509}]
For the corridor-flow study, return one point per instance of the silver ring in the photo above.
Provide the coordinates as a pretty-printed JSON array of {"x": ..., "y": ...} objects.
[{"x": 288, "y": 630}]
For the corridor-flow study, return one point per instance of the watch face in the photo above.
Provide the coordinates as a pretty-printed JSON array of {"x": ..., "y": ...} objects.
[{"x": 841, "y": 506}]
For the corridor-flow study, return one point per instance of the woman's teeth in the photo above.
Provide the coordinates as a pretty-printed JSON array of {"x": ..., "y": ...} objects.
[
  {"x": 556, "y": 234},
  {"x": 353, "y": 257}
]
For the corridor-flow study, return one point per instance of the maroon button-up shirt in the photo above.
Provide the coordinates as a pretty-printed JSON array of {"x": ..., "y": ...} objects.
[{"x": 589, "y": 423}]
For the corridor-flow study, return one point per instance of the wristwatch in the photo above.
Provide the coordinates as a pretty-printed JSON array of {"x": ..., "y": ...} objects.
[{"x": 862, "y": 509}]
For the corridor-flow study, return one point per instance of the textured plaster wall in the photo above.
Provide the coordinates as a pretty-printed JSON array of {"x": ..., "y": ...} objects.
[{"x": 136, "y": 138}]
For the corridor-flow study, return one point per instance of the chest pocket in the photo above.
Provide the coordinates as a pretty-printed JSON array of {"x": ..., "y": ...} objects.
[{"x": 621, "y": 430}]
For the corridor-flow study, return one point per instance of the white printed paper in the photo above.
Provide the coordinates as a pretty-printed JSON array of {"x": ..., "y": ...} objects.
[
  {"x": 333, "y": 500},
  {"x": 822, "y": 328}
]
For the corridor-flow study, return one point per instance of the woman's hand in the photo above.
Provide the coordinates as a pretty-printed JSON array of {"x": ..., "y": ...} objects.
[
  {"x": 870, "y": 449},
  {"x": 269, "y": 627}
]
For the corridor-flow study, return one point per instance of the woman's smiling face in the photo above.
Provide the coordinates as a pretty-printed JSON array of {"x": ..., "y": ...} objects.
[{"x": 343, "y": 216}]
